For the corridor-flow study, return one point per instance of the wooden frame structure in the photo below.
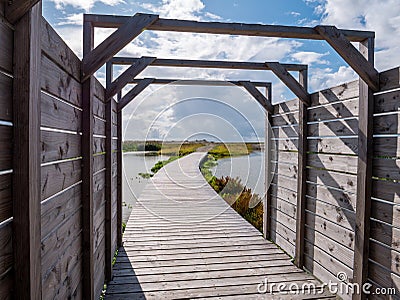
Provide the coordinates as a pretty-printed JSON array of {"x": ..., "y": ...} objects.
[
  {"x": 25, "y": 19},
  {"x": 129, "y": 28}
]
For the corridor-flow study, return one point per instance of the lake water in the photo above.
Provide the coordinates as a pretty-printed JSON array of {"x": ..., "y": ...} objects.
[
  {"x": 249, "y": 168},
  {"x": 133, "y": 184}
]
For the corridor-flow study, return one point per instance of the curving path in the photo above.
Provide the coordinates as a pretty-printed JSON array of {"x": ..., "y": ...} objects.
[{"x": 183, "y": 241}]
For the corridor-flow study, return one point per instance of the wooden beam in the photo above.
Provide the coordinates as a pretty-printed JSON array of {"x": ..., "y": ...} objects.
[
  {"x": 16, "y": 9},
  {"x": 301, "y": 177},
  {"x": 290, "y": 82},
  {"x": 26, "y": 167},
  {"x": 87, "y": 188},
  {"x": 202, "y": 82},
  {"x": 119, "y": 176},
  {"x": 110, "y": 21},
  {"x": 135, "y": 69},
  {"x": 268, "y": 170},
  {"x": 351, "y": 55},
  {"x": 108, "y": 186},
  {"x": 218, "y": 64},
  {"x": 114, "y": 43},
  {"x": 364, "y": 175},
  {"x": 258, "y": 96},
  {"x": 134, "y": 92},
  {"x": 87, "y": 172}
]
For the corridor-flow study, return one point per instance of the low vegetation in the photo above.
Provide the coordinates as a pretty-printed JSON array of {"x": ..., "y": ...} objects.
[
  {"x": 235, "y": 193},
  {"x": 232, "y": 149}
]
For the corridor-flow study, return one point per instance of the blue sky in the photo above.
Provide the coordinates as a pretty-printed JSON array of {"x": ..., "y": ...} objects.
[{"x": 326, "y": 68}]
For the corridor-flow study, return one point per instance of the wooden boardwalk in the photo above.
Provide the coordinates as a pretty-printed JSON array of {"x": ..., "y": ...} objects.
[{"x": 183, "y": 241}]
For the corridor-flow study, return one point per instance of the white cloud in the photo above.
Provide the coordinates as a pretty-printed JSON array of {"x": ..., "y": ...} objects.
[
  {"x": 86, "y": 5},
  {"x": 73, "y": 19},
  {"x": 375, "y": 15},
  {"x": 310, "y": 58},
  {"x": 325, "y": 77},
  {"x": 178, "y": 9}
]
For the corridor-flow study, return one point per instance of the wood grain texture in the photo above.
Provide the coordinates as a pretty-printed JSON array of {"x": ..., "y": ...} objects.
[
  {"x": 192, "y": 251},
  {"x": 6, "y": 47},
  {"x": 26, "y": 168},
  {"x": 6, "y": 111},
  {"x": 59, "y": 146},
  {"x": 6, "y": 205},
  {"x": 6, "y": 147}
]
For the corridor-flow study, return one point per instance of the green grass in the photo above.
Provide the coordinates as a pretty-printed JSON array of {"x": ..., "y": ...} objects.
[
  {"x": 179, "y": 149},
  {"x": 232, "y": 149}
]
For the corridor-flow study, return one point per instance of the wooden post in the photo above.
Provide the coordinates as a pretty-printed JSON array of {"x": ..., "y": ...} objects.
[
  {"x": 268, "y": 171},
  {"x": 26, "y": 176},
  {"x": 87, "y": 172},
  {"x": 364, "y": 174},
  {"x": 108, "y": 207},
  {"x": 302, "y": 176},
  {"x": 119, "y": 177}
]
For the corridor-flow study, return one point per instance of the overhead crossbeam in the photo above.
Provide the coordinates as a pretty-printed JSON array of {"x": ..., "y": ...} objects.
[
  {"x": 250, "y": 87},
  {"x": 216, "y": 64},
  {"x": 135, "y": 69},
  {"x": 110, "y": 21},
  {"x": 141, "y": 84},
  {"x": 14, "y": 10},
  {"x": 290, "y": 82},
  {"x": 351, "y": 55},
  {"x": 97, "y": 57}
]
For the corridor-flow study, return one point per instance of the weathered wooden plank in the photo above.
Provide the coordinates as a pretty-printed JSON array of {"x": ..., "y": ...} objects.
[
  {"x": 62, "y": 278},
  {"x": 385, "y": 234},
  {"x": 283, "y": 206},
  {"x": 345, "y": 145},
  {"x": 387, "y": 102},
  {"x": 386, "y": 190},
  {"x": 17, "y": 9},
  {"x": 6, "y": 147},
  {"x": 6, "y": 47},
  {"x": 59, "y": 208},
  {"x": 286, "y": 131},
  {"x": 55, "y": 48},
  {"x": 286, "y": 107},
  {"x": 343, "y": 109},
  {"x": 99, "y": 259},
  {"x": 331, "y": 179},
  {"x": 99, "y": 162},
  {"x": 6, "y": 206},
  {"x": 279, "y": 234},
  {"x": 387, "y": 146},
  {"x": 59, "y": 146},
  {"x": 59, "y": 176},
  {"x": 332, "y": 230},
  {"x": 387, "y": 124},
  {"x": 99, "y": 145},
  {"x": 341, "y": 163},
  {"x": 333, "y": 248},
  {"x": 335, "y": 94},
  {"x": 281, "y": 217},
  {"x": 287, "y": 144},
  {"x": 338, "y": 128},
  {"x": 332, "y": 196},
  {"x": 99, "y": 127},
  {"x": 119, "y": 178},
  {"x": 109, "y": 249},
  {"x": 99, "y": 108},
  {"x": 57, "y": 82},
  {"x": 288, "y": 170},
  {"x": 6, "y": 250},
  {"x": 6, "y": 112},
  {"x": 284, "y": 194},
  {"x": 386, "y": 168},
  {"x": 390, "y": 79},
  {"x": 59, "y": 115},
  {"x": 26, "y": 169},
  {"x": 384, "y": 277},
  {"x": 385, "y": 256},
  {"x": 333, "y": 213},
  {"x": 386, "y": 212},
  {"x": 257, "y": 95},
  {"x": 285, "y": 182},
  {"x": 7, "y": 285},
  {"x": 285, "y": 119}
]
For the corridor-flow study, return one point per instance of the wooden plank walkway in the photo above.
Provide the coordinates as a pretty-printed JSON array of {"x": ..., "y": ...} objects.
[{"x": 183, "y": 241}]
